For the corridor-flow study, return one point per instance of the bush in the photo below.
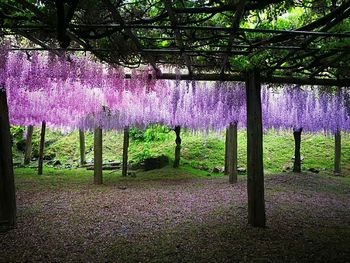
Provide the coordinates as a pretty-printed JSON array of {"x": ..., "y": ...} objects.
[{"x": 154, "y": 132}]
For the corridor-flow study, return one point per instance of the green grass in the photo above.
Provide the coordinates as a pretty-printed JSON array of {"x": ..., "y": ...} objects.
[
  {"x": 27, "y": 178},
  {"x": 200, "y": 150}
]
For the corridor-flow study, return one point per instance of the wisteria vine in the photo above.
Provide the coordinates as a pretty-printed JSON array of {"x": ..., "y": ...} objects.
[{"x": 78, "y": 92}]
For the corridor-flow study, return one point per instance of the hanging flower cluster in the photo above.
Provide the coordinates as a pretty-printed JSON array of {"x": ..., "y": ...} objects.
[
  {"x": 76, "y": 92},
  {"x": 305, "y": 108}
]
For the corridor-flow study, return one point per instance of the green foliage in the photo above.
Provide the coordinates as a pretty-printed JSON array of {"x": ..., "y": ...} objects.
[
  {"x": 144, "y": 153},
  {"x": 152, "y": 133},
  {"x": 17, "y": 132}
]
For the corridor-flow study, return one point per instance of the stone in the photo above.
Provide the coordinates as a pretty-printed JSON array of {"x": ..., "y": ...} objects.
[
  {"x": 57, "y": 163},
  {"x": 241, "y": 170},
  {"x": 286, "y": 168},
  {"x": 156, "y": 162},
  {"x": 314, "y": 170},
  {"x": 216, "y": 170},
  {"x": 68, "y": 166},
  {"x": 136, "y": 166},
  {"x": 110, "y": 167},
  {"x": 114, "y": 163}
]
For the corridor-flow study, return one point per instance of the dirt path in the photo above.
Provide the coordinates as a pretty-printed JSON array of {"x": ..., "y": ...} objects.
[{"x": 197, "y": 220}]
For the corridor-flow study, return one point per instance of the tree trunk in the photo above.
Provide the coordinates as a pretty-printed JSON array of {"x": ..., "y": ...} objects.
[
  {"x": 337, "y": 152},
  {"x": 226, "y": 151},
  {"x": 28, "y": 151},
  {"x": 98, "y": 156},
  {"x": 7, "y": 185},
  {"x": 297, "y": 156},
  {"x": 255, "y": 169},
  {"x": 232, "y": 153},
  {"x": 178, "y": 146},
  {"x": 82, "y": 147},
  {"x": 41, "y": 149},
  {"x": 125, "y": 151}
]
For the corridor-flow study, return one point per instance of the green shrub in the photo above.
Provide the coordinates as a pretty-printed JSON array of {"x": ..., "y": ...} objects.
[{"x": 154, "y": 132}]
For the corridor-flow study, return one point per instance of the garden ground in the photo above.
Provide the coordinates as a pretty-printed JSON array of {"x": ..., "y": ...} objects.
[{"x": 181, "y": 215}]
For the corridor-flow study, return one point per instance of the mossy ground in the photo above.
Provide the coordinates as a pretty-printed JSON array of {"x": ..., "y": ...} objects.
[{"x": 200, "y": 150}]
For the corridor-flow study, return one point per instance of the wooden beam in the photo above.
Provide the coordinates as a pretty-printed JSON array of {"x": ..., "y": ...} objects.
[
  {"x": 267, "y": 80},
  {"x": 7, "y": 185},
  {"x": 297, "y": 156},
  {"x": 178, "y": 37},
  {"x": 82, "y": 146},
  {"x": 201, "y": 28},
  {"x": 337, "y": 152},
  {"x": 28, "y": 151},
  {"x": 98, "y": 156},
  {"x": 312, "y": 38},
  {"x": 255, "y": 168},
  {"x": 235, "y": 25},
  {"x": 309, "y": 27},
  {"x": 125, "y": 151},
  {"x": 41, "y": 148},
  {"x": 119, "y": 19},
  {"x": 227, "y": 133},
  {"x": 178, "y": 147},
  {"x": 232, "y": 153}
]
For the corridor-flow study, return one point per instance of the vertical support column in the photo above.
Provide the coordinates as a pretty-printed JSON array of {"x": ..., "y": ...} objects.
[
  {"x": 255, "y": 169},
  {"x": 7, "y": 185},
  {"x": 297, "y": 155},
  {"x": 125, "y": 151},
  {"x": 178, "y": 146},
  {"x": 337, "y": 152},
  {"x": 226, "y": 151},
  {"x": 28, "y": 151},
  {"x": 41, "y": 149},
  {"x": 98, "y": 156},
  {"x": 82, "y": 147},
  {"x": 232, "y": 153}
]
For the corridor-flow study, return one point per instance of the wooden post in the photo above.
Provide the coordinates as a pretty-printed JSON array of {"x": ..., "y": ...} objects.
[
  {"x": 98, "y": 156},
  {"x": 232, "y": 153},
  {"x": 41, "y": 149},
  {"x": 28, "y": 151},
  {"x": 297, "y": 156},
  {"x": 125, "y": 151},
  {"x": 7, "y": 185},
  {"x": 337, "y": 152},
  {"x": 226, "y": 151},
  {"x": 255, "y": 169},
  {"x": 178, "y": 146},
  {"x": 82, "y": 147}
]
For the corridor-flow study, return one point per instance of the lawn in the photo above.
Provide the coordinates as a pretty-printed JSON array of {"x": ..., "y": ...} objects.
[
  {"x": 199, "y": 150},
  {"x": 181, "y": 215}
]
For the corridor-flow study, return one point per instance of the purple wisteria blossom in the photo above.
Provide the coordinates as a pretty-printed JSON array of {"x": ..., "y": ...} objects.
[{"x": 78, "y": 92}]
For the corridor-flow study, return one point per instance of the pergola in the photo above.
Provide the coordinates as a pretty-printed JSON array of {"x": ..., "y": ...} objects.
[{"x": 215, "y": 40}]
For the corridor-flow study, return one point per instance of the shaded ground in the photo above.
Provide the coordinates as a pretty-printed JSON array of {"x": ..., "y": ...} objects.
[{"x": 186, "y": 219}]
